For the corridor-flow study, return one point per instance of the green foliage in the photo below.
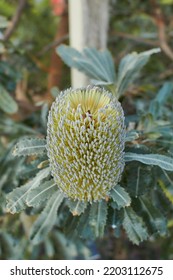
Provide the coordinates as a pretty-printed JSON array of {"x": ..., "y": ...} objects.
[
  {"x": 163, "y": 162},
  {"x": 166, "y": 2},
  {"x": 99, "y": 66},
  {"x": 166, "y": 191},
  {"x": 131, "y": 135},
  {"x": 24, "y": 51},
  {"x": 142, "y": 203},
  {"x": 134, "y": 226},
  {"x": 47, "y": 218},
  {"x": 6, "y": 8},
  {"x": 120, "y": 197},
  {"x": 43, "y": 192},
  {"x": 136, "y": 179},
  {"x": 7, "y": 103},
  {"x": 156, "y": 219},
  {"x": 3, "y": 22},
  {"x": 76, "y": 207},
  {"x": 129, "y": 68},
  {"x": 28, "y": 147},
  {"x": 97, "y": 218},
  {"x": 156, "y": 106},
  {"x": 9, "y": 76},
  {"x": 6, "y": 245},
  {"x": 83, "y": 219},
  {"x": 79, "y": 226},
  {"x": 17, "y": 198},
  {"x": 13, "y": 129}
]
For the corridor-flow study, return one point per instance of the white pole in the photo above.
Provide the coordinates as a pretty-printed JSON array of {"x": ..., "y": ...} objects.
[{"x": 76, "y": 30}]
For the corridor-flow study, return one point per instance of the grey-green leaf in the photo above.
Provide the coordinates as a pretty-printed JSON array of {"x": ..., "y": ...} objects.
[
  {"x": 40, "y": 194},
  {"x": 7, "y": 103},
  {"x": 129, "y": 68},
  {"x": 96, "y": 64},
  {"x": 47, "y": 218},
  {"x": 17, "y": 198},
  {"x": 77, "y": 207},
  {"x": 162, "y": 161},
  {"x": 120, "y": 197},
  {"x": 138, "y": 181},
  {"x": 42, "y": 174},
  {"x": 30, "y": 146},
  {"x": 98, "y": 216},
  {"x": 134, "y": 226}
]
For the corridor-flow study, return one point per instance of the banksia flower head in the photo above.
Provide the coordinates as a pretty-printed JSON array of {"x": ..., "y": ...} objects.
[{"x": 85, "y": 143}]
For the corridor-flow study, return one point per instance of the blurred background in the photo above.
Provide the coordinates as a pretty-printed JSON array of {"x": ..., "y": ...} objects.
[{"x": 30, "y": 69}]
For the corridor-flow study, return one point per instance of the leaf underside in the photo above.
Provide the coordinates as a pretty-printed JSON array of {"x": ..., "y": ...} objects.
[{"x": 162, "y": 161}]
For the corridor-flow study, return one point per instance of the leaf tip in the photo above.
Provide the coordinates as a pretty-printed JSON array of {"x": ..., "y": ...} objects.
[{"x": 75, "y": 213}]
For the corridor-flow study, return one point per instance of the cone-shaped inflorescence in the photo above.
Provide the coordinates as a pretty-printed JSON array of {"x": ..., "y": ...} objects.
[{"x": 85, "y": 143}]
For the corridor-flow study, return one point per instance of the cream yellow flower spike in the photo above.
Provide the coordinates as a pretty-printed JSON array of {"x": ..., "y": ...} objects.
[{"x": 85, "y": 143}]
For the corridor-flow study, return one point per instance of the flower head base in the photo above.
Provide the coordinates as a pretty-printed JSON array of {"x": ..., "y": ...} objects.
[{"x": 85, "y": 143}]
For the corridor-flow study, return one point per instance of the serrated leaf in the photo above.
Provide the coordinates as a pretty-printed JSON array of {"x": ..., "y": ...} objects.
[
  {"x": 77, "y": 207},
  {"x": 42, "y": 174},
  {"x": 30, "y": 147},
  {"x": 120, "y": 197},
  {"x": 134, "y": 226},
  {"x": 46, "y": 219},
  {"x": 98, "y": 217},
  {"x": 162, "y": 161},
  {"x": 157, "y": 220},
  {"x": 95, "y": 64},
  {"x": 7, "y": 103},
  {"x": 130, "y": 67},
  {"x": 17, "y": 198},
  {"x": 43, "y": 192}
]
